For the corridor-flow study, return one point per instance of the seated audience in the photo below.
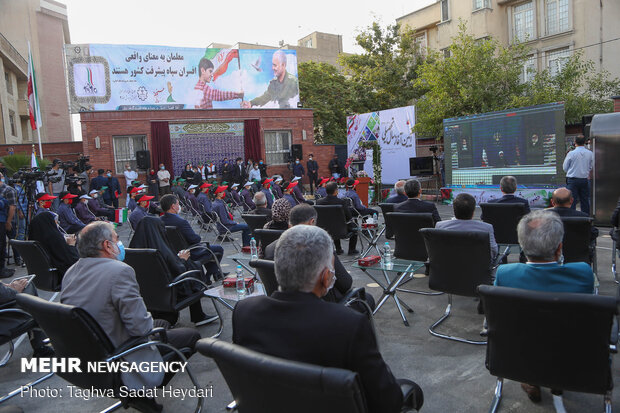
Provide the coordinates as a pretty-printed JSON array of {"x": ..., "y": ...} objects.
[
  {"x": 83, "y": 213},
  {"x": 151, "y": 233},
  {"x": 60, "y": 247},
  {"x": 296, "y": 191},
  {"x": 44, "y": 202},
  {"x": 234, "y": 195},
  {"x": 141, "y": 211},
  {"x": 177, "y": 188},
  {"x": 323, "y": 333},
  {"x": 226, "y": 218},
  {"x": 98, "y": 207},
  {"x": 414, "y": 203},
  {"x": 357, "y": 202},
  {"x": 287, "y": 194},
  {"x": 261, "y": 205},
  {"x": 332, "y": 199},
  {"x": 191, "y": 198},
  {"x": 277, "y": 186},
  {"x": 508, "y": 186},
  {"x": 266, "y": 184},
  {"x": 106, "y": 288},
  {"x": 320, "y": 191},
  {"x": 13, "y": 321},
  {"x": 66, "y": 216},
  {"x": 171, "y": 207},
  {"x": 464, "y": 206},
  {"x": 540, "y": 236},
  {"x": 246, "y": 196},
  {"x": 131, "y": 203},
  {"x": 204, "y": 200},
  {"x": 279, "y": 215},
  {"x": 399, "y": 194},
  {"x": 561, "y": 200}
]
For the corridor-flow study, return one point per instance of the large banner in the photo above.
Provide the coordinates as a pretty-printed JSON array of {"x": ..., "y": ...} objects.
[
  {"x": 121, "y": 77},
  {"x": 205, "y": 142},
  {"x": 392, "y": 128}
]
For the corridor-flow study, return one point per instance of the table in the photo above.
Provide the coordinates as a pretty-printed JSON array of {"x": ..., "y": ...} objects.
[
  {"x": 399, "y": 270},
  {"x": 241, "y": 259},
  {"x": 375, "y": 234},
  {"x": 224, "y": 295}
]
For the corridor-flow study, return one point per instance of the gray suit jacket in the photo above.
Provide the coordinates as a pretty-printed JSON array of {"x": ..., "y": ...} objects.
[
  {"x": 471, "y": 225},
  {"x": 107, "y": 289}
]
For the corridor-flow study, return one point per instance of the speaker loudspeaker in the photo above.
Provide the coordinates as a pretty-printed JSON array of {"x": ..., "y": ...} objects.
[{"x": 143, "y": 159}]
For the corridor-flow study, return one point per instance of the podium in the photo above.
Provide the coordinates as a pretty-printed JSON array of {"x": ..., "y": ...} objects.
[{"x": 362, "y": 190}]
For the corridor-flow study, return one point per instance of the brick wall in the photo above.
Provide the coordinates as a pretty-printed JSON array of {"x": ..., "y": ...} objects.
[
  {"x": 67, "y": 151},
  {"x": 616, "y": 103},
  {"x": 105, "y": 125}
]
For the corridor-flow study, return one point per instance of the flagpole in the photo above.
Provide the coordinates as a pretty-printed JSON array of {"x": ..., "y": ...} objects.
[
  {"x": 40, "y": 146},
  {"x": 37, "y": 109}
]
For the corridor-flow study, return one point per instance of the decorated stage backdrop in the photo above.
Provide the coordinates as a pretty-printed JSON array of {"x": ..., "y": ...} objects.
[
  {"x": 204, "y": 142},
  {"x": 392, "y": 128},
  {"x": 126, "y": 77}
]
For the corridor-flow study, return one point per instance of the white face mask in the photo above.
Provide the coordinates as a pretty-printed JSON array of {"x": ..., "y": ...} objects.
[{"x": 179, "y": 211}]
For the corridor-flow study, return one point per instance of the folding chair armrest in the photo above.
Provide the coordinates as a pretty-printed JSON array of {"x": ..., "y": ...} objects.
[
  {"x": 173, "y": 283},
  {"x": 353, "y": 293},
  {"x": 136, "y": 341},
  {"x": 413, "y": 397},
  {"x": 14, "y": 310},
  {"x": 186, "y": 274},
  {"x": 8, "y": 304}
]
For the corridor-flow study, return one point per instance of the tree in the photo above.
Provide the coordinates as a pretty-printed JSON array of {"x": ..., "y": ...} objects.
[
  {"x": 479, "y": 76},
  {"x": 332, "y": 96},
  {"x": 386, "y": 70}
]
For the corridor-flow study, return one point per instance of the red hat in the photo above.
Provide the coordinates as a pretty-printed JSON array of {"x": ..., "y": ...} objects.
[
  {"x": 266, "y": 181},
  {"x": 46, "y": 197},
  {"x": 292, "y": 185},
  {"x": 221, "y": 188},
  {"x": 205, "y": 185},
  {"x": 68, "y": 196},
  {"x": 134, "y": 190},
  {"x": 323, "y": 181},
  {"x": 356, "y": 182},
  {"x": 144, "y": 198}
]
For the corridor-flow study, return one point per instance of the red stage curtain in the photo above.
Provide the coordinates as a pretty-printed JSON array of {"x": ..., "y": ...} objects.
[
  {"x": 161, "y": 151},
  {"x": 251, "y": 131}
]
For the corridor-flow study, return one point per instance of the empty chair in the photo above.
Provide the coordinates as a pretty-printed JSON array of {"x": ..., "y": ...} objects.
[
  {"x": 267, "y": 274},
  {"x": 409, "y": 242},
  {"x": 74, "y": 333},
  {"x": 255, "y": 221},
  {"x": 459, "y": 261},
  {"x": 265, "y": 237},
  {"x": 555, "y": 340},
  {"x": 385, "y": 208},
  {"x": 576, "y": 245},
  {"x": 14, "y": 322},
  {"x": 38, "y": 263},
  {"x": 504, "y": 218},
  {"x": 262, "y": 383}
]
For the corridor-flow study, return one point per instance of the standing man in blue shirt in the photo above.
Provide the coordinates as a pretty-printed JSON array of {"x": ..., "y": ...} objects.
[
  {"x": 578, "y": 164},
  {"x": 298, "y": 169}
]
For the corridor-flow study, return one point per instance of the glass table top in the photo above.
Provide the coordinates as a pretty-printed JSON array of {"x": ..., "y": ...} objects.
[
  {"x": 240, "y": 256},
  {"x": 230, "y": 294},
  {"x": 397, "y": 265}
]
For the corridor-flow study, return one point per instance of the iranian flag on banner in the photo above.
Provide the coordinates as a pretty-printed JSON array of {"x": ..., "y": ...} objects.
[
  {"x": 33, "y": 98},
  {"x": 221, "y": 59},
  {"x": 120, "y": 215}
]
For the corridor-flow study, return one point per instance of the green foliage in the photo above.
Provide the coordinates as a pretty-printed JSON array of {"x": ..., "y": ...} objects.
[{"x": 20, "y": 160}]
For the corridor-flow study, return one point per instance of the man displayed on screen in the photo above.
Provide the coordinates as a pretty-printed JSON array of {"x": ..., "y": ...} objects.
[
  {"x": 534, "y": 150},
  {"x": 465, "y": 153},
  {"x": 283, "y": 88}
]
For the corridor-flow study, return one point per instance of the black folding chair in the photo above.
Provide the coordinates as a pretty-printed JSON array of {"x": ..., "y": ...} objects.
[
  {"x": 255, "y": 221},
  {"x": 615, "y": 251},
  {"x": 504, "y": 218},
  {"x": 459, "y": 261},
  {"x": 75, "y": 334},
  {"x": 265, "y": 237},
  {"x": 265, "y": 384},
  {"x": 159, "y": 290},
  {"x": 14, "y": 323},
  {"x": 38, "y": 263},
  {"x": 333, "y": 220},
  {"x": 555, "y": 340},
  {"x": 385, "y": 208},
  {"x": 266, "y": 274},
  {"x": 577, "y": 244}
]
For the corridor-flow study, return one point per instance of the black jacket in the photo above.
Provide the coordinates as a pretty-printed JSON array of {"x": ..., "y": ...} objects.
[
  {"x": 301, "y": 327},
  {"x": 417, "y": 205},
  {"x": 512, "y": 199},
  {"x": 239, "y": 175},
  {"x": 334, "y": 200}
]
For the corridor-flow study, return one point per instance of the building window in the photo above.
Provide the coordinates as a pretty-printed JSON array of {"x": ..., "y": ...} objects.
[
  {"x": 481, "y": 4},
  {"x": 125, "y": 148},
  {"x": 556, "y": 60},
  {"x": 277, "y": 147},
  {"x": 445, "y": 10},
  {"x": 308, "y": 43},
  {"x": 556, "y": 16},
  {"x": 12, "y": 122},
  {"x": 446, "y": 53},
  {"x": 420, "y": 43},
  {"x": 528, "y": 69},
  {"x": 523, "y": 21},
  {"x": 9, "y": 84}
]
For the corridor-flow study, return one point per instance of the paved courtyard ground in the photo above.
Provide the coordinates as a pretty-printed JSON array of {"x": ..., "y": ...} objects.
[{"x": 452, "y": 375}]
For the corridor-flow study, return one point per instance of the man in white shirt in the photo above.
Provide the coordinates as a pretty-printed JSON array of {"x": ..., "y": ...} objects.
[
  {"x": 130, "y": 176},
  {"x": 578, "y": 164},
  {"x": 164, "y": 180}
]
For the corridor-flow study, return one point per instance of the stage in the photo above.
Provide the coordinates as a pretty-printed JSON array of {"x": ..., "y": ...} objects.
[{"x": 538, "y": 197}]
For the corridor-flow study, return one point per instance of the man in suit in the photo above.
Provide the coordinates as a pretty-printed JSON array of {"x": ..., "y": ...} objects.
[
  {"x": 114, "y": 190},
  {"x": 414, "y": 203},
  {"x": 246, "y": 194},
  {"x": 261, "y": 205},
  {"x": 562, "y": 199},
  {"x": 171, "y": 207},
  {"x": 540, "y": 236},
  {"x": 141, "y": 210},
  {"x": 313, "y": 172},
  {"x": 357, "y": 202},
  {"x": 324, "y": 334},
  {"x": 464, "y": 206},
  {"x": 332, "y": 199},
  {"x": 508, "y": 186},
  {"x": 399, "y": 196},
  {"x": 106, "y": 288},
  {"x": 239, "y": 175}
]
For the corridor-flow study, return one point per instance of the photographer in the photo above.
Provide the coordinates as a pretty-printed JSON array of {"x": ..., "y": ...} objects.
[
  {"x": 56, "y": 182},
  {"x": 7, "y": 212}
]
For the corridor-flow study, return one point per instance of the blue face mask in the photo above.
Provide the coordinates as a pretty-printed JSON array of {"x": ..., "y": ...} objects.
[
  {"x": 261, "y": 162},
  {"x": 121, "y": 251}
]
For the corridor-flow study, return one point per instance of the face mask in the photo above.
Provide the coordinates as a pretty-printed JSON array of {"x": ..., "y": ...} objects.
[
  {"x": 47, "y": 204},
  {"x": 261, "y": 162},
  {"x": 95, "y": 195},
  {"x": 2, "y": 180},
  {"x": 179, "y": 211},
  {"x": 121, "y": 251},
  {"x": 331, "y": 285},
  {"x": 296, "y": 161},
  {"x": 129, "y": 169},
  {"x": 310, "y": 158},
  {"x": 109, "y": 175}
]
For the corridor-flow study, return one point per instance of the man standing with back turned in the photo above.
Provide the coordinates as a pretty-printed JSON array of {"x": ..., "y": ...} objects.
[{"x": 578, "y": 164}]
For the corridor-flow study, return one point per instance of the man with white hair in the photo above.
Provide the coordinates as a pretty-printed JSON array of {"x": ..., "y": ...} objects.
[
  {"x": 260, "y": 200},
  {"x": 323, "y": 333},
  {"x": 399, "y": 195},
  {"x": 281, "y": 89}
]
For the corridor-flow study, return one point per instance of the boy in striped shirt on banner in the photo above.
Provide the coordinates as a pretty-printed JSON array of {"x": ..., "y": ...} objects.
[{"x": 205, "y": 94}]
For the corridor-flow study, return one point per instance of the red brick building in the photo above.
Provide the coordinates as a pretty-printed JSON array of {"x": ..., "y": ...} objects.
[{"x": 100, "y": 129}]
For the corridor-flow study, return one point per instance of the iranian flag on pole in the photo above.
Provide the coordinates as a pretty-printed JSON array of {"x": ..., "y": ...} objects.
[
  {"x": 33, "y": 98},
  {"x": 220, "y": 59}
]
